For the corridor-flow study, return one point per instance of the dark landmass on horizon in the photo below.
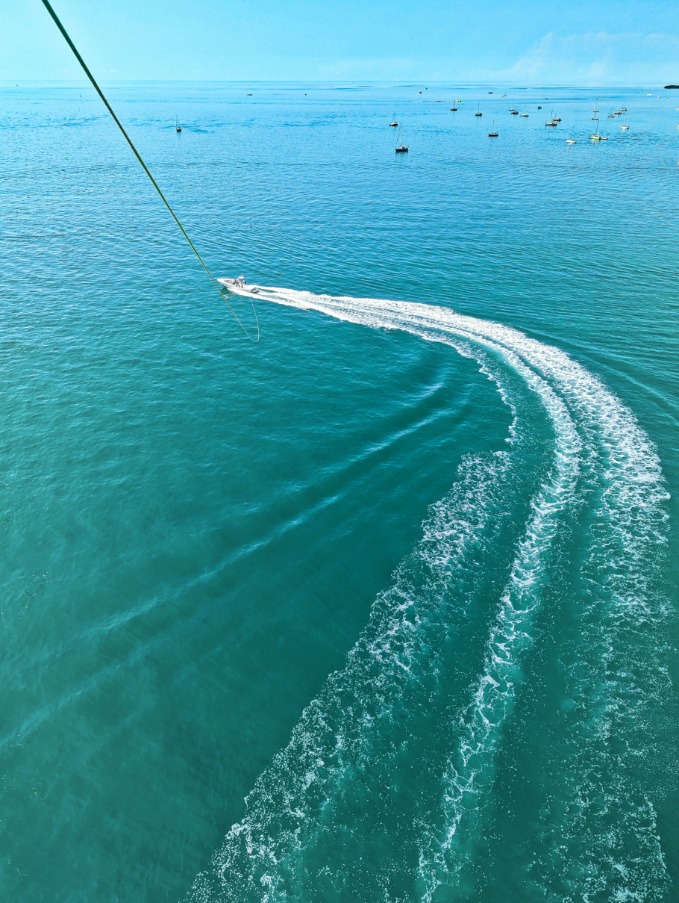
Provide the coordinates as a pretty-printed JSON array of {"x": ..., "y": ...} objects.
[{"x": 668, "y": 87}]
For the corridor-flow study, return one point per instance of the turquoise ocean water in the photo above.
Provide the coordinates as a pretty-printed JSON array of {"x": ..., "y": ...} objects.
[{"x": 382, "y": 608}]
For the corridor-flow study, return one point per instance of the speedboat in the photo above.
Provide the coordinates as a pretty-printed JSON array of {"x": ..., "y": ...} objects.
[{"x": 238, "y": 283}]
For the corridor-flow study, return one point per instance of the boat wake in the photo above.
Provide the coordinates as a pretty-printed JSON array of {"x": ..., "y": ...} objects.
[{"x": 390, "y": 786}]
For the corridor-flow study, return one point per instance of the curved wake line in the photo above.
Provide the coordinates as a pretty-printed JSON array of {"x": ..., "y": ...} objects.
[{"x": 599, "y": 453}]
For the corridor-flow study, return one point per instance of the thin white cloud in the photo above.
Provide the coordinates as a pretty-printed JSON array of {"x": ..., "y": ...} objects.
[
  {"x": 534, "y": 63},
  {"x": 592, "y": 58}
]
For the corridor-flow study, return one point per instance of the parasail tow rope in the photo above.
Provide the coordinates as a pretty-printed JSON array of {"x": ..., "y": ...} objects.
[{"x": 217, "y": 284}]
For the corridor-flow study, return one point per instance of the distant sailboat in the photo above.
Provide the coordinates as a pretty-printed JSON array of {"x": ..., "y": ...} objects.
[
  {"x": 177, "y": 127},
  {"x": 478, "y": 112},
  {"x": 400, "y": 148},
  {"x": 493, "y": 133},
  {"x": 393, "y": 124}
]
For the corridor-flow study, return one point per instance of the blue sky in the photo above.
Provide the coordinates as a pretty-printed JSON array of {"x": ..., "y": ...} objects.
[{"x": 494, "y": 41}]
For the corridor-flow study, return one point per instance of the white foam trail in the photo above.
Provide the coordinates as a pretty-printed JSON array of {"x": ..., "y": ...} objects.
[
  {"x": 591, "y": 429},
  {"x": 471, "y": 771},
  {"x": 333, "y": 740}
]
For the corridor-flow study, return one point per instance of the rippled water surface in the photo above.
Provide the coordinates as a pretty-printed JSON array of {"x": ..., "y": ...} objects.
[{"x": 382, "y": 608}]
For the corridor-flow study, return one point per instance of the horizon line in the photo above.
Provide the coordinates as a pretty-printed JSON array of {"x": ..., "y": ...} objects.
[{"x": 345, "y": 81}]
